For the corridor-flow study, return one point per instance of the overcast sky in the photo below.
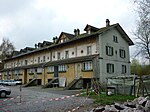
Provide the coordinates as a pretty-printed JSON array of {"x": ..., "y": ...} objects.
[{"x": 26, "y": 22}]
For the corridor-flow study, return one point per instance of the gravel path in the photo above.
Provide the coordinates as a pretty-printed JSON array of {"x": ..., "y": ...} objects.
[{"x": 33, "y": 100}]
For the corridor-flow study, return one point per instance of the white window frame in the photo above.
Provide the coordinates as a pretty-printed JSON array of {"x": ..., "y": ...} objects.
[
  {"x": 50, "y": 69},
  {"x": 39, "y": 70},
  {"x": 66, "y": 54},
  {"x": 89, "y": 50},
  {"x": 62, "y": 68},
  {"x": 88, "y": 65}
]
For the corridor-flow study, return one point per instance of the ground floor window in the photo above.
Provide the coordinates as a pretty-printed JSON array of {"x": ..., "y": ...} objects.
[
  {"x": 87, "y": 65},
  {"x": 50, "y": 69},
  {"x": 62, "y": 68},
  {"x": 110, "y": 68},
  {"x": 124, "y": 69},
  {"x": 39, "y": 70},
  {"x": 31, "y": 71}
]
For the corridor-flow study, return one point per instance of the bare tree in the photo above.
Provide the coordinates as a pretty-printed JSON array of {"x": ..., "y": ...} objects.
[
  {"x": 142, "y": 31},
  {"x": 6, "y": 48}
]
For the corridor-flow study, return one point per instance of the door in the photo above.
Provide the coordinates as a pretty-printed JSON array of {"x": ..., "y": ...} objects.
[
  {"x": 25, "y": 76},
  {"x": 78, "y": 68},
  {"x": 55, "y": 71}
]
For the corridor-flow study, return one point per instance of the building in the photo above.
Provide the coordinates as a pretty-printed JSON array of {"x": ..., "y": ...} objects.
[{"x": 97, "y": 53}]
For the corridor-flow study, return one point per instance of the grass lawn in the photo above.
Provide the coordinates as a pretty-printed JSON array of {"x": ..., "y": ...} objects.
[{"x": 104, "y": 99}]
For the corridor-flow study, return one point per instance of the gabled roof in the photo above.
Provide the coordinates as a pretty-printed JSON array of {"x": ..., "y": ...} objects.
[
  {"x": 15, "y": 53},
  {"x": 92, "y": 28},
  {"x": 120, "y": 30},
  {"x": 68, "y": 35},
  {"x": 71, "y": 37}
]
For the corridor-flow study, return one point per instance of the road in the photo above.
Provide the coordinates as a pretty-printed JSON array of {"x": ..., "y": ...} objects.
[{"x": 35, "y": 99}]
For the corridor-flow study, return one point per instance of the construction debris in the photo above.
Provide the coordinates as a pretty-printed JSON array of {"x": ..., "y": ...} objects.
[{"x": 141, "y": 104}]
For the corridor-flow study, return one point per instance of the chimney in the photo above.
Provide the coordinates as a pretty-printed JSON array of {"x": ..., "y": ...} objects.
[
  {"x": 78, "y": 32},
  {"x": 36, "y": 46},
  {"x": 75, "y": 32},
  {"x": 107, "y": 22},
  {"x": 55, "y": 39}
]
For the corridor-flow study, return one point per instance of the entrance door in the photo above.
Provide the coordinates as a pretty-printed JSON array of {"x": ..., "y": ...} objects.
[
  {"x": 77, "y": 70},
  {"x": 55, "y": 71},
  {"x": 25, "y": 76}
]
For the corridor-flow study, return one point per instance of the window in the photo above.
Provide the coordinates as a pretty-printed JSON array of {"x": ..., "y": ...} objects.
[
  {"x": 109, "y": 50},
  {"x": 26, "y": 62},
  {"x": 16, "y": 72},
  {"x": 58, "y": 55},
  {"x": 50, "y": 69},
  {"x": 124, "y": 69},
  {"x": 72, "y": 53},
  {"x": 12, "y": 64},
  {"x": 54, "y": 55},
  {"x": 43, "y": 58},
  {"x": 115, "y": 39},
  {"x": 110, "y": 68},
  {"x": 89, "y": 50},
  {"x": 87, "y": 65},
  {"x": 31, "y": 71},
  {"x": 5, "y": 65},
  {"x": 122, "y": 53},
  {"x": 66, "y": 54},
  {"x": 62, "y": 68},
  {"x": 39, "y": 70},
  {"x": 38, "y": 59}
]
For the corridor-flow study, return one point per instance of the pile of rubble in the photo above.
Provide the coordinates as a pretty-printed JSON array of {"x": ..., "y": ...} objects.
[{"x": 141, "y": 104}]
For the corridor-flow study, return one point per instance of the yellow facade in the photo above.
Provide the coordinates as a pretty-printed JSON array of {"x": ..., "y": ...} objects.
[{"x": 35, "y": 60}]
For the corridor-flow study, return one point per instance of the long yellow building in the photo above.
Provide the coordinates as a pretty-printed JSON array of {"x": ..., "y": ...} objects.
[{"x": 97, "y": 53}]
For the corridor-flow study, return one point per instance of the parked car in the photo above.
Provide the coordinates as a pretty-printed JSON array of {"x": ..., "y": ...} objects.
[
  {"x": 9, "y": 82},
  {"x": 1, "y": 82},
  {"x": 4, "y": 91},
  {"x": 18, "y": 82}
]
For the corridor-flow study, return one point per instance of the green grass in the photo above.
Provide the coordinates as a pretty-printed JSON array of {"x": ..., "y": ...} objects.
[{"x": 104, "y": 99}]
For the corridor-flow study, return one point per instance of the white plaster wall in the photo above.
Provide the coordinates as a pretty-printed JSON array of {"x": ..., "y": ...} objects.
[{"x": 107, "y": 39}]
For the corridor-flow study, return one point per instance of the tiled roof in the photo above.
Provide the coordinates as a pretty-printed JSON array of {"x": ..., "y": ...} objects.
[{"x": 81, "y": 36}]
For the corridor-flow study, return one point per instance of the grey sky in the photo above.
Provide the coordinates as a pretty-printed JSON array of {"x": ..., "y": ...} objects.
[{"x": 26, "y": 22}]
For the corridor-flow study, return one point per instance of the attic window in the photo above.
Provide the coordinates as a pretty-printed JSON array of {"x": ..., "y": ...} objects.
[
  {"x": 115, "y": 39},
  {"x": 89, "y": 32},
  {"x": 63, "y": 40}
]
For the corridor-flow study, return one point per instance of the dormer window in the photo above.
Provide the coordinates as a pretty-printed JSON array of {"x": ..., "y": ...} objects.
[{"x": 89, "y": 32}]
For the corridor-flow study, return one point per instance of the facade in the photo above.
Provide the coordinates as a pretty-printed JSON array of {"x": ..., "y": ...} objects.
[{"x": 97, "y": 53}]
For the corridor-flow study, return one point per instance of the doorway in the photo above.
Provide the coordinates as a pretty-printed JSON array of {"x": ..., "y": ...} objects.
[{"x": 55, "y": 71}]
